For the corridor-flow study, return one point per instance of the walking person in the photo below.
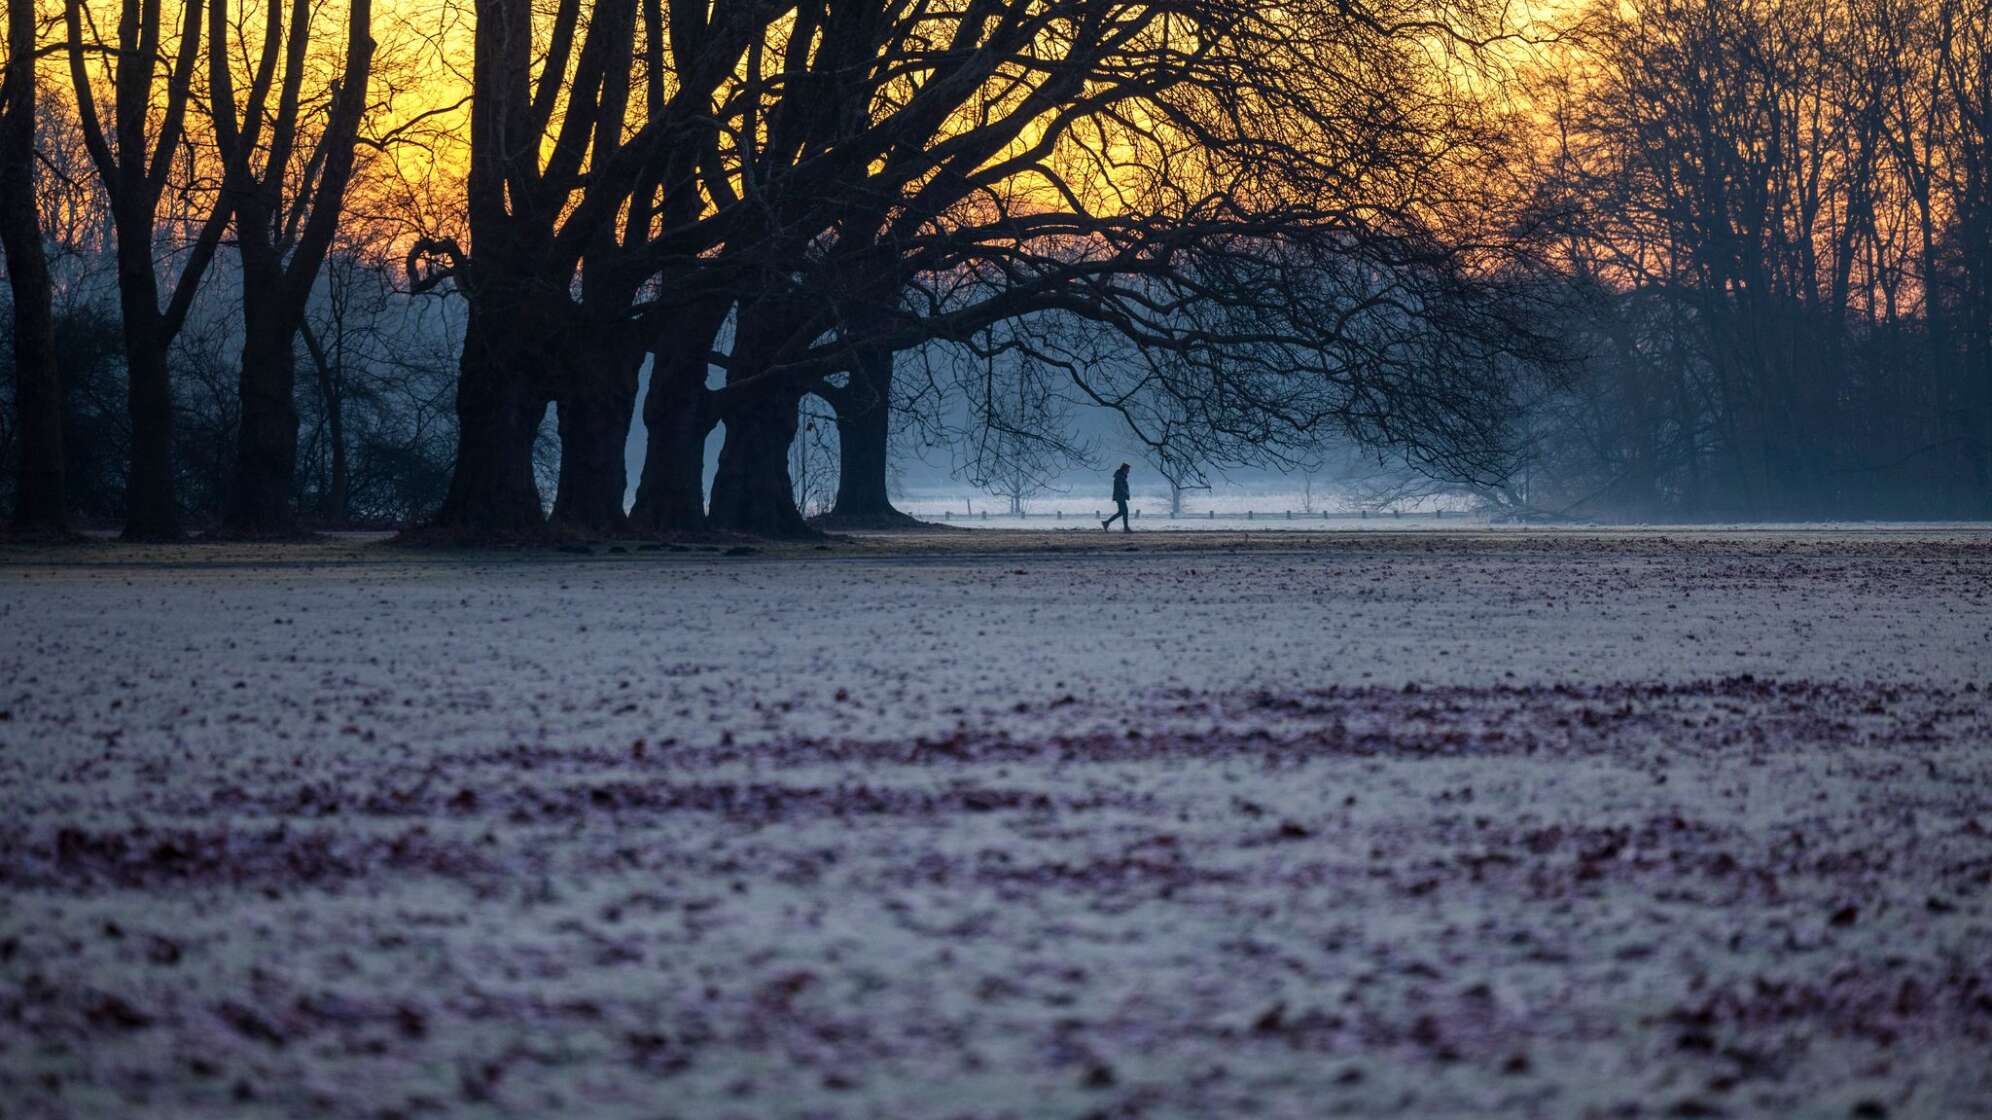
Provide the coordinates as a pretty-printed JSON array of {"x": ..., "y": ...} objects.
[{"x": 1120, "y": 500}]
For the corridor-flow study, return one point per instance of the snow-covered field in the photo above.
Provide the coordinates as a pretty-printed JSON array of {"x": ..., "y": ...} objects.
[
  {"x": 1021, "y": 825},
  {"x": 1155, "y": 518}
]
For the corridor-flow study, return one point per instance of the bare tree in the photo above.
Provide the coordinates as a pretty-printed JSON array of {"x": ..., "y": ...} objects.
[
  {"x": 571, "y": 211},
  {"x": 1137, "y": 152},
  {"x": 1964, "y": 59},
  {"x": 379, "y": 436},
  {"x": 41, "y": 502},
  {"x": 354, "y": 293},
  {"x": 518, "y": 272},
  {"x": 150, "y": 95},
  {"x": 286, "y": 215}
]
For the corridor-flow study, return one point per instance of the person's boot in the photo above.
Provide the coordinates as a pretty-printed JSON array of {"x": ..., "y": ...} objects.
[{"x": 1105, "y": 526}]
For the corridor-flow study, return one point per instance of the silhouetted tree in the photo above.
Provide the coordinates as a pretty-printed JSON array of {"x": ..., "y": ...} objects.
[
  {"x": 678, "y": 417},
  {"x": 1143, "y": 148},
  {"x": 863, "y": 407},
  {"x": 565, "y": 204},
  {"x": 40, "y": 496},
  {"x": 134, "y": 161},
  {"x": 286, "y": 215}
]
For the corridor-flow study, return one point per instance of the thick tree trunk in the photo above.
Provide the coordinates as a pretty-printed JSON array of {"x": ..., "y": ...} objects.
[
  {"x": 152, "y": 511},
  {"x": 596, "y": 406},
  {"x": 670, "y": 496},
  {"x": 862, "y": 435},
  {"x": 40, "y": 495},
  {"x": 499, "y": 408},
  {"x": 151, "y": 507},
  {"x": 259, "y": 498},
  {"x": 752, "y": 492},
  {"x": 864, "y": 431},
  {"x": 41, "y": 502}
]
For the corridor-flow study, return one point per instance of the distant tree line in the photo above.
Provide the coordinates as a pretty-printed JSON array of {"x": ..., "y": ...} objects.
[{"x": 1775, "y": 217}]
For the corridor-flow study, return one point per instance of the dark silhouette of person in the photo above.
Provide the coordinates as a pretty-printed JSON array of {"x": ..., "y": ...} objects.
[{"x": 1120, "y": 499}]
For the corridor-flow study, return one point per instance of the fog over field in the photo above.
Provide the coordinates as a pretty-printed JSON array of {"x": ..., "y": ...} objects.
[{"x": 1003, "y": 825}]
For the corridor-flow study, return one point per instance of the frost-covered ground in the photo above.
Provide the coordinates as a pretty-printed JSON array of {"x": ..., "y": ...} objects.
[
  {"x": 965, "y": 825},
  {"x": 1231, "y": 507}
]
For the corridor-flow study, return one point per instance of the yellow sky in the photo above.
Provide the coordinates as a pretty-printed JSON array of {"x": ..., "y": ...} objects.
[{"x": 422, "y": 78}]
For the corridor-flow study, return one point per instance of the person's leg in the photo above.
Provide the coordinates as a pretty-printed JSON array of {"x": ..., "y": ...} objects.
[{"x": 1125, "y": 527}]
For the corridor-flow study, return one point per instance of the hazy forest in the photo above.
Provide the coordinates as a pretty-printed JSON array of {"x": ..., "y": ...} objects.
[{"x": 275, "y": 267}]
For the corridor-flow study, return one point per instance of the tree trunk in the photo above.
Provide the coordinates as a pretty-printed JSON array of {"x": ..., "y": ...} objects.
[
  {"x": 152, "y": 511},
  {"x": 333, "y": 508},
  {"x": 752, "y": 492},
  {"x": 151, "y": 505},
  {"x": 259, "y": 498},
  {"x": 492, "y": 492},
  {"x": 41, "y": 502},
  {"x": 864, "y": 430},
  {"x": 332, "y": 503},
  {"x": 670, "y": 497},
  {"x": 862, "y": 435},
  {"x": 1977, "y": 350},
  {"x": 596, "y": 406}
]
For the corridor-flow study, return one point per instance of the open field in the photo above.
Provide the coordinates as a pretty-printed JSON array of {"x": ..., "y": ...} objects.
[{"x": 1027, "y": 824}]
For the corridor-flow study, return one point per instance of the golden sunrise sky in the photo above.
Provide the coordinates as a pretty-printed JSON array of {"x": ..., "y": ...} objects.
[
  {"x": 421, "y": 82},
  {"x": 422, "y": 69}
]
